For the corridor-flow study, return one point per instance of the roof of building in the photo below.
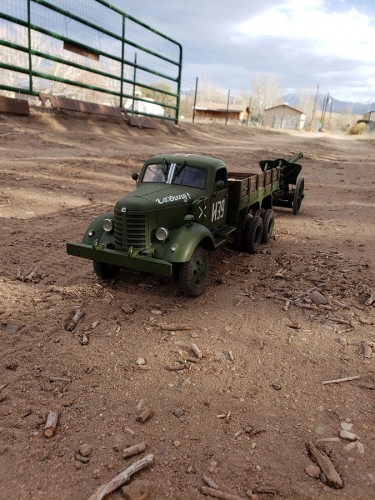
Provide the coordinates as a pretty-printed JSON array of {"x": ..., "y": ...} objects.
[
  {"x": 218, "y": 106},
  {"x": 284, "y": 106}
]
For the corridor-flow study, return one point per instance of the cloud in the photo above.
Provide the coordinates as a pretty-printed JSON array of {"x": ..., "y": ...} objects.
[{"x": 302, "y": 42}]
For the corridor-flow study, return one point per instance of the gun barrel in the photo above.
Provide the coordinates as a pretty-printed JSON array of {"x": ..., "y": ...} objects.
[{"x": 296, "y": 157}]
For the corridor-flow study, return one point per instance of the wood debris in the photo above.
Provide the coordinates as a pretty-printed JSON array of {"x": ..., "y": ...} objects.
[
  {"x": 324, "y": 462},
  {"x": 173, "y": 327},
  {"x": 338, "y": 380},
  {"x": 133, "y": 450},
  {"x": 222, "y": 495},
  {"x": 51, "y": 423},
  {"x": 122, "y": 478},
  {"x": 368, "y": 348},
  {"x": 145, "y": 415},
  {"x": 210, "y": 482},
  {"x": 78, "y": 316}
]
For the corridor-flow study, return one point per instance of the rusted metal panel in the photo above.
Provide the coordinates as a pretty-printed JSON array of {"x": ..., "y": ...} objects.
[
  {"x": 16, "y": 106},
  {"x": 141, "y": 122},
  {"x": 59, "y": 102}
]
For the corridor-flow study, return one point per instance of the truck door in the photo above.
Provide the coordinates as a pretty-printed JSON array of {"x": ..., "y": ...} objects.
[{"x": 219, "y": 200}]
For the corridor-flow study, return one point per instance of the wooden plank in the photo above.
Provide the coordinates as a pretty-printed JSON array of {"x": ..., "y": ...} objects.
[{"x": 16, "y": 106}]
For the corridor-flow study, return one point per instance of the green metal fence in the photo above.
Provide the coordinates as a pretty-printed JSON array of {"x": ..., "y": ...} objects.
[{"x": 88, "y": 50}]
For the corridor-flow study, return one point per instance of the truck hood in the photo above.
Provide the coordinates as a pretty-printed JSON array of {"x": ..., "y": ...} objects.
[{"x": 150, "y": 196}]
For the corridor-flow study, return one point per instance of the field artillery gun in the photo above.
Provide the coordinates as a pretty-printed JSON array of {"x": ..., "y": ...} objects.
[{"x": 291, "y": 188}]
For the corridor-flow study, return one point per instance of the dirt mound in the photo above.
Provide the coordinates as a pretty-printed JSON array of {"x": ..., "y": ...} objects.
[{"x": 244, "y": 413}]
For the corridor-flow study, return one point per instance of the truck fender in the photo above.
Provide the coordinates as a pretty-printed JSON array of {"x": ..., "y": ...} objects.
[
  {"x": 95, "y": 231},
  {"x": 182, "y": 242}
]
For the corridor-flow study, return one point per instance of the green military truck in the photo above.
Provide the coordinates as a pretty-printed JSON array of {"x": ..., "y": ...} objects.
[{"x": 183, "y": 207}]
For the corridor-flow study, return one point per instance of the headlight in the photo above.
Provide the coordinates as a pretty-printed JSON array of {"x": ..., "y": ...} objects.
[
  {"x": 107, "y": 225},
  {"x": 161, "y": 233}
]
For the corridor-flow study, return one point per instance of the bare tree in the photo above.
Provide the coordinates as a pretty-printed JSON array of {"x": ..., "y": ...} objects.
[{"x": 266, "y": 93}]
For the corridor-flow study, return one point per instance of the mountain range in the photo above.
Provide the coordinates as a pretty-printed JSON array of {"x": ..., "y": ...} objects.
[{"x": 355, "y": 108}]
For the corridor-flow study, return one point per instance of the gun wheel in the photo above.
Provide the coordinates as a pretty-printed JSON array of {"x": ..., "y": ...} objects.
[
  {"x": 298, "y": 195},
  {"x": 253, "y": 234},
  {"x": 194, "y": 273},
  {"x": 268, "y": 224},
  {"x": 104, "y": 271}
]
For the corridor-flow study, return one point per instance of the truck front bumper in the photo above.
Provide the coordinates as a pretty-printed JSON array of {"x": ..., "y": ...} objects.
[{"x": 137, "y": 262}]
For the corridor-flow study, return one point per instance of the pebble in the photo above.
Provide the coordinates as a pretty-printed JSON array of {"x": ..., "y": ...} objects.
[
  {"x": 318, "y": 298},
  {"x": 349, "y": 436},
  {"x": 127, "y": 309},
  {"x": 83, "y": 460},
  {"x": 177, "y": 443},
  {"x": 84, "y": 340},
  {"x": 137, "y": 490},
  {"x": 140, "y": 361},
  {"x": 346, "y": 426},
  {"x": 313, "y": 471},
  {"x": 85, "y": 450},
  {"x": 320, "y": 430},
  {"x": 178, "y": 412},
  {"x": 276, "y": 386},
  {"x": 13, "y": 328}
]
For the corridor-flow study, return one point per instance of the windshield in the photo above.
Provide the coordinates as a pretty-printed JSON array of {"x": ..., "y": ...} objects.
[{"x": 176, "y": 173}]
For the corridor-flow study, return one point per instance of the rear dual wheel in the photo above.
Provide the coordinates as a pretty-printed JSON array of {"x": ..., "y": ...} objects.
[{"x": 253, "y": 233}]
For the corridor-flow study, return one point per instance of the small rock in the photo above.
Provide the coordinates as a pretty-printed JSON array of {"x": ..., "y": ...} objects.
[
  {"x": 85, "y": 450},
  {"x": 13, "y": 328},
  {"x": 96, "y": 473},
  {"x": 351, "y": 460},
  {"x": 313, "y": 471},
  {"x": 346, "y": 426},
  {"x": 343, "y": 341},
  {"x": 83, "y": 460},
  {"x": 84, "y": 340},
  {"x": 177, "y": 443},
  {"x": 320, "y": 430},
  {"x": 140, "y": 361},
  {"x": 127, "y": 309},
  {"x": 276, "y": 386},
  {"x": 360, "y": 448},
  {"x": 137, "y": 490},
  {"x": 349, "y": 436},
  {"x": 178, "y": 412},
  {"x": 248, "y": 429},
  {"x": 156, "y": 312},
  {"x": 318, "y": 298}
]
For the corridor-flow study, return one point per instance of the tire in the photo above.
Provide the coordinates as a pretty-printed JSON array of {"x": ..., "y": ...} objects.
[
  {"x": 298, "y": 195},
  {"x": 105, "y": 271},
  {"x": 253, "y": 234},
  {"x": 193, "y": 274},
  {"x": 268, "y": 224}
]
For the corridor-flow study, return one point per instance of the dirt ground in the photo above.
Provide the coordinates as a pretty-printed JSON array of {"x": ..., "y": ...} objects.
[{"x": 244, "y": 413}]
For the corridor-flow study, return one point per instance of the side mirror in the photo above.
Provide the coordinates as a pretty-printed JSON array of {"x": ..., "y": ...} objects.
[
  {"x": 135, "y": 176},
  {"x": 220, "y": 185}
]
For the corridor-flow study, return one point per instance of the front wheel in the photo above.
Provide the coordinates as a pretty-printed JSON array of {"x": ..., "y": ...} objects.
[
  {"x": 193, "y": 274},
  {"x": 105, "y": 271},
  {"x": 253, "y": 234}
]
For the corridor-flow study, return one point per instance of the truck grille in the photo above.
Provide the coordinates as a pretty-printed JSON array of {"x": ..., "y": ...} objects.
[{"x": 130, "y": 229}]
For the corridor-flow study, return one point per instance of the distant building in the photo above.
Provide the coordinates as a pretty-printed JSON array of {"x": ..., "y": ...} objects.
[
  {"x": 214, "y": 110},
  {"x": 283, "y": 117},
  {"x": 369, "y": 120}
]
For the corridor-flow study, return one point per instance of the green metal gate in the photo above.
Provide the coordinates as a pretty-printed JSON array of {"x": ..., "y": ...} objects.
[{"x": 89, "y": 50}]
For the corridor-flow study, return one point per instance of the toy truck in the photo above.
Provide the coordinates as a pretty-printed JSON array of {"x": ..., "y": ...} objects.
[{"x": 183, "y": 207}]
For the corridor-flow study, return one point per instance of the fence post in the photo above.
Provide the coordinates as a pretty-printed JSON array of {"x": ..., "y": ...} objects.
[
  {"x": 122, "y": 62},
  {"x": 226, "y": 116},
  {"x": 29, "y": 43}
]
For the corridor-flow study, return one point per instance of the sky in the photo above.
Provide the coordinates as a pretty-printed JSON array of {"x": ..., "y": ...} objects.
[{"x": 302, "y": 43}]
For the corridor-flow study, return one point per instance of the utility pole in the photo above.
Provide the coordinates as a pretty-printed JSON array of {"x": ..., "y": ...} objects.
[
  {"x": 226, "y": 116},
  {"x": 195, "y": 97},
  {"x": 314, "y": 110}
]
